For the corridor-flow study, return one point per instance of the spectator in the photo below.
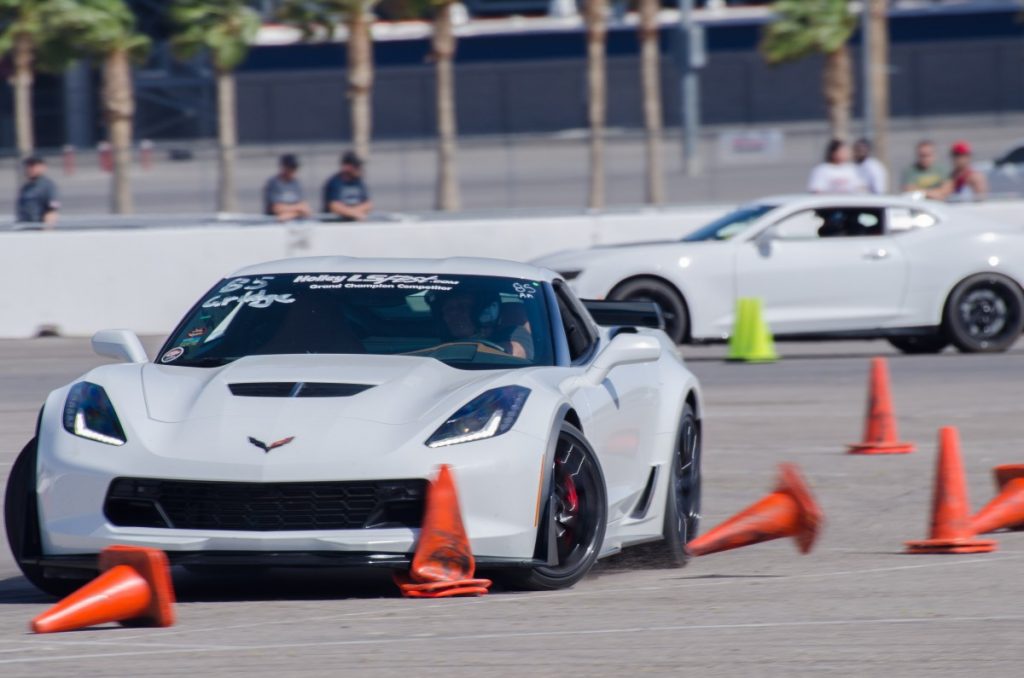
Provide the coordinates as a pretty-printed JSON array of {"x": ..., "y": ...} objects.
[
  {"x": 37, "y": 198},
  {"x": 837, "y": 174},
  {"x": 924, "y": 174},
  {"x": 964, "y": 183},
  {"x": 282, "y": 195},
  {"x": 345, "y": 194},
  {"x": 871, "y": 169}
]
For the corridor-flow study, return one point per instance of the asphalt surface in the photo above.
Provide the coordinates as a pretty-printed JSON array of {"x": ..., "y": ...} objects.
[{"x": 855, "y": 606}]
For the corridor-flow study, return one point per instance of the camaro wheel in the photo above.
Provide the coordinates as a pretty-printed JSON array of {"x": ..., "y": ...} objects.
[
  {"x": 916, "y": 345},
  {"x": 578, "y": 513},
  {"x": 21, "y": 521},
  {"x": 985, "y": 314},
  {"x": 673, "y": 308}
]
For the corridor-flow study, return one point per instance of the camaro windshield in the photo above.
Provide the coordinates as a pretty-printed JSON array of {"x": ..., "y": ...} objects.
[
  {"x": 472, "y": 322},
  {"x": 732, "y": 223}
]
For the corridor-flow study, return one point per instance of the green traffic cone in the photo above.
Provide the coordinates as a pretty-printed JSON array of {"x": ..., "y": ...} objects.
[
  {"x": 739, "y": 340},
  {"x": 761, "y": 348}
]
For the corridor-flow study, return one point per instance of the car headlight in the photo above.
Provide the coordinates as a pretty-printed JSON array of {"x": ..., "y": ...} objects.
[
  {"x": 489, "y": 414},
  {"x": 569, "y": 275},
  {"x": 88, "y": 413}
]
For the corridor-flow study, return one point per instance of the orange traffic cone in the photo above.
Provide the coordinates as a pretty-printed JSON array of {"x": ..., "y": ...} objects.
[
  {"x": 950, "y": 530},
  {"x": 789, "y": 511},
  {"x": 1006, "y": 510},
  {"x": 135, "y": 589},
  {"x": 880, "y": 436},
  {"x": 443, "y": 564}
]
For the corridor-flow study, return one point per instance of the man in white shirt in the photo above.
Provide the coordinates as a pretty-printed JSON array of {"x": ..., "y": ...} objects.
[
  {"x": 875, "y": 176},
  {"x": 837, "y": 174}
]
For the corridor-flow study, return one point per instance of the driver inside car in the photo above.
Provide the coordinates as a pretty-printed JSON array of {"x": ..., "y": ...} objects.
[{"x": 475, "y": 317}]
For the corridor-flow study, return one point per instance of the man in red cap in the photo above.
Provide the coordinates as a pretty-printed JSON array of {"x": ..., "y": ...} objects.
[{"x": 965, "y": 183}]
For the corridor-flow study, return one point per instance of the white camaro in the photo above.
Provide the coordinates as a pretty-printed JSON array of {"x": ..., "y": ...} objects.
[
  {"x": 295, "y": 416},
  {"x": 916, "y": 272}
]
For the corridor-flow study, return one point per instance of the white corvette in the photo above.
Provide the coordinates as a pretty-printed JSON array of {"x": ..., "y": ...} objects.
[
  {"x": 918, "y": 273},
  {"x": 295, "y": 416}
]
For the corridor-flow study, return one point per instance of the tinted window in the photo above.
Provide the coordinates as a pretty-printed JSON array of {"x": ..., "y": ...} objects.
[
  {"x": 839, "y": 222},
  {"x": 473, "y": 322},
  {"x": 578, "y": 333},
  {"x": 729, "y": 225}
]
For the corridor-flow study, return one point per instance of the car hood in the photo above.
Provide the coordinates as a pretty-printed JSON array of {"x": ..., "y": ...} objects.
[{"x": 396, "y": 389}]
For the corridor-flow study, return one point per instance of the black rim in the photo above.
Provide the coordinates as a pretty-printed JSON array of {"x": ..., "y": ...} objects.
[
  {"x": 668, "y": 308},
  {"x": 686, "y": 480},
  {"x": 987, "y": 311},
  {"x": 575, "y": 507}
]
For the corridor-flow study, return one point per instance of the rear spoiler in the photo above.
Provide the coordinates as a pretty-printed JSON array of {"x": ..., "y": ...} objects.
[{"x": 625, "y": 313}]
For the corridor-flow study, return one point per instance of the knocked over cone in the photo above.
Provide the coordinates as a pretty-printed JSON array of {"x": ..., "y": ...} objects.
[
  {"x": 789, "y": 511},
  {"x": 134, "y": 589},
  {"x": 880, "y": 436},
  {"x": 950, "y": 529},
  {"x": 443, "y": 564},
  {"x": 1006, "y": 510},
  {"x": 1004, "y": 475}
]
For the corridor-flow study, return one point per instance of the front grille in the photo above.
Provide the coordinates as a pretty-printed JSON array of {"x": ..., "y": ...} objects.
[
  {"x": 296, "y": 389},
  {"x": 265, "y": 507}
]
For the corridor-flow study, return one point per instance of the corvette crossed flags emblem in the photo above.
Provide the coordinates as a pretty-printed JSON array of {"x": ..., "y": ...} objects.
[{"x": 274, "y": 445}]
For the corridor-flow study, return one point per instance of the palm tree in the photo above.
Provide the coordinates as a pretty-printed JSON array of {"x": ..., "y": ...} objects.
[
  {"x": 596, "y": 18},
  {"x": 106, "y": 29},
  {"x": 224, "y": 28},
  {"x": 804, "y": 27},
  {"x": 443, "y": 54},
  {"x": 650, "y": 75},
  {"x": 317, "y": 18}
]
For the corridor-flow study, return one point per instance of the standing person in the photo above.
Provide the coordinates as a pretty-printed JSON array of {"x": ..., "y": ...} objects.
[
  {"x": 37, "y": 198},
  {"x": 282, "y": 194},
  {"x": 345, "y": 194},
  {"x": 837, "y": 174},
  {"x": 924, "y": 174},
  {"x": 964, "y": 183},
  {"x": 871, "y": 169}
]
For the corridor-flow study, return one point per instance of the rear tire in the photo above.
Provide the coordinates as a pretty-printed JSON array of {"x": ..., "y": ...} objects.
[
  {"x": 580, "y": 501},
  {"x": 21, "y": 521},
  {"x": 985, "y": 314},
  {"x": 673, "y": 307},
  {"x": 920, "y": 345}
]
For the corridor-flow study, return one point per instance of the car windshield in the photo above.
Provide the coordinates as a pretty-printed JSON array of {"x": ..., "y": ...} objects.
[
  {"x": 470, "y": 322},
  {"x": 732, "y": 223}
]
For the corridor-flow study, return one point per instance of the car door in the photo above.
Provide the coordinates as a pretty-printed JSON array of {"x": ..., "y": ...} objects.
[
  {"x": 827, "y": 269},
  {"x": 623, "y": 409}
]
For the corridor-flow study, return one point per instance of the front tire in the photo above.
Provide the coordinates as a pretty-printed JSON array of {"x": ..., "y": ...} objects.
[
  {"x": 920, "y": 344},
  {"x": 673, "y": 307},
  {"x": 985, "y": 314},
  {"x": 21, "y": 521},
  {"x": 577, "y": 513}
]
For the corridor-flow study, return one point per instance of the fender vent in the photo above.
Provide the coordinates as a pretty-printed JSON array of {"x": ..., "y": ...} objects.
[
  {"x": 296, "y": 389},
  {"x": 644, "y": 503}
]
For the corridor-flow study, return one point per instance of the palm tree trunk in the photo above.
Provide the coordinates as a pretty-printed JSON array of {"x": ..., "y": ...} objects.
[
  {"x": 447, "y": 198},
  {"x": 360, "y": 80},
  {"x": 651, "y": 79},
  {"x": 24, "y": 53},
  {"x": 119, "y": 107},
  {"x": 837, "y": 85},
  {"x": 596, "y": 18},
  {"x": 879, "y": 75},
  {"x": 227, "y": 141}
]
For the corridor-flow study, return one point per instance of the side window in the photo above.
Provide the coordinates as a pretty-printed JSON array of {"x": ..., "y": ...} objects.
[
  {"x": 905, "y": 219},
  {"x": 836, "y": 222},
  {"x": 578, "y": 333},
  {"x": 1014, "y": 157},
  {"x": 799, "y": 226}
]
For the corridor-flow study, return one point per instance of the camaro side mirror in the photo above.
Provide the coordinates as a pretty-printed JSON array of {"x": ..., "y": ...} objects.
[
  {"x": 763, "y": 241},
  {"x": 121, "y": 345},
  {"x": 624, "y": 349}
]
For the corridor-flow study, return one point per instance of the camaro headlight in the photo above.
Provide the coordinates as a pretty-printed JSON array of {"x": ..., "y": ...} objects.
[
  {"x": 489, "y": 414},
  {"x": 570, "y": 275},
  {"x": 88, "y": 413}
]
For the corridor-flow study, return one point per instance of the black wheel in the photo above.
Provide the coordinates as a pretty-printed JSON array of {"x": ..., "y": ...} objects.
[
  {"x": 985, "y": 314},
  {"x": 576, "y": 516},
  {"x": 673, "y": 307},
  {"x": 21, "y": 521},
  {"x": 682, "y": 501},
  {"x": 917, "y": 345}
]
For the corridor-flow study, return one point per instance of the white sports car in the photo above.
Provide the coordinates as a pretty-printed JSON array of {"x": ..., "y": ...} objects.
[
  {"x": 918, "y": 273},
  {"x": 295, "y": 416}
]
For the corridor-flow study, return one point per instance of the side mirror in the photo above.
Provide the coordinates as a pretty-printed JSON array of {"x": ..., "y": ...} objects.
[
  {"x": 121, "y": 345},
  {"x": 624, "y": 349},
  {"x": 763, "y": 241}
]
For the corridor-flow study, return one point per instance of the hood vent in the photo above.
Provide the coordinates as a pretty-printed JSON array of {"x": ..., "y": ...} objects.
[{"x": 296, "y": 389}]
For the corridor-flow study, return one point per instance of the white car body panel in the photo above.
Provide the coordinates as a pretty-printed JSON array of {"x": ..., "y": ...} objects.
[
  {"x": 814, "y": 286},
  {"x": 183, "y": 423}
]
